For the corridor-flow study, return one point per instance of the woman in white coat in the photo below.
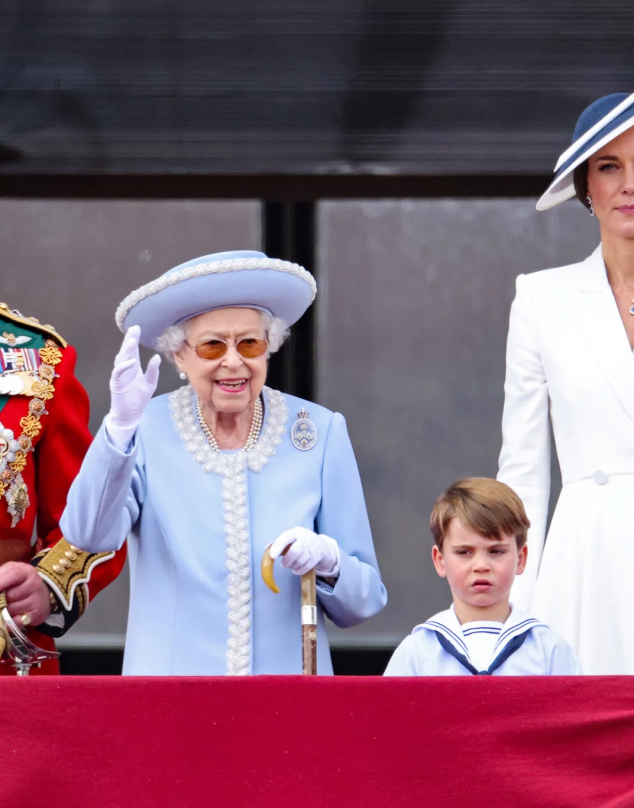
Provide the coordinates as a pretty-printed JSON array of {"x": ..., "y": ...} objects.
[{"x": 570, "y": 361}]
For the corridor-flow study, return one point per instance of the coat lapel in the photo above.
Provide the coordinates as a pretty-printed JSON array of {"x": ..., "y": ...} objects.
[{"x": 601, "y": 323}]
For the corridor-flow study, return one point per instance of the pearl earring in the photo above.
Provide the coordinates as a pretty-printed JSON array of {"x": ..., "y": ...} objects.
[
  {"x": 183, "y": 376},
  {"x": 590, "y": 205}
]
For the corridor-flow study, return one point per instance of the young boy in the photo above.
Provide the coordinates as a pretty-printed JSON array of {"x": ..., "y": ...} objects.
[{"x": 480, "y": 528}]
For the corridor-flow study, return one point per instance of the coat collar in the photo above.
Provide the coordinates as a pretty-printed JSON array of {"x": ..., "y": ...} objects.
[
  {"x": 600, "y": 321},
  {"x": 447, "y": 624}
]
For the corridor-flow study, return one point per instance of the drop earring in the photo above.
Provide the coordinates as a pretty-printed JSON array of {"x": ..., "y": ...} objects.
[
  {"x": 590, "y": 205},
  {"x": 183, "y": 376}
]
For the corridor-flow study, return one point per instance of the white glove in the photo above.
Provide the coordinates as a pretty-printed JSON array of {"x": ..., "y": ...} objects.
[
  {"x": 307, "y": 550},
  {"x": 130, "y": 390}
]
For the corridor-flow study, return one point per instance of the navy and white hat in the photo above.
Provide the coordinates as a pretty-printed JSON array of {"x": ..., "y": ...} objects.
[
  {"x": 603, "y": 121},
  {"x": 241, "y": 278}
]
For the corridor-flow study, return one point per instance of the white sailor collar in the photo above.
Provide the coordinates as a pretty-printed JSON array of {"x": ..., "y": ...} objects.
[{"x": 447, "y": 624}]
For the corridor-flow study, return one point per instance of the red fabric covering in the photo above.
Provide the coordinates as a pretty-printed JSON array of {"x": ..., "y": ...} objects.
[{"x": 288, "y": 742}]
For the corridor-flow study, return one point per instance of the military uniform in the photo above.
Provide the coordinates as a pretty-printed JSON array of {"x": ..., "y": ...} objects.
[{"x": 43, "y": 439}]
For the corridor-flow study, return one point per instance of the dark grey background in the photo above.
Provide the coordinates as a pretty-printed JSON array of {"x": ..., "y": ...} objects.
[{"x": 302, "y": 87}]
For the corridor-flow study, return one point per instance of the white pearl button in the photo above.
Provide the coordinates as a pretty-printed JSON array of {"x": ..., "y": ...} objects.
[{"x": 600, "y": 477}]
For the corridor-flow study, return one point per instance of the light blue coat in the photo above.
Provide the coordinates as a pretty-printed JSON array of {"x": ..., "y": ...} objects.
[
  {"x": 525, "y": 647},
  {"x": 198, "y": 524}
]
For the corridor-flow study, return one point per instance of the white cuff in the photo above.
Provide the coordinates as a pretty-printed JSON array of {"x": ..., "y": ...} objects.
[{"x": 120, "y": 436}]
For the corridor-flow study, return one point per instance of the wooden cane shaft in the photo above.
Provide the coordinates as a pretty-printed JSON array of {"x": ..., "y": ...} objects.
[
  {"x": 309, "y": 650},
  {"x": 309, "y": 624}
]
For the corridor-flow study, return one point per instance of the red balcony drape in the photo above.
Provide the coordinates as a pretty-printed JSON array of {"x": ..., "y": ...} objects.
[{"x": 293, "y": 742}]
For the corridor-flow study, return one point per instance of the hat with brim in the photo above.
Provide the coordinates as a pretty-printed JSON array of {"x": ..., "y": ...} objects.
[
  {"x": 237, "y": 279},
  {"x": 603, "y": 121}
]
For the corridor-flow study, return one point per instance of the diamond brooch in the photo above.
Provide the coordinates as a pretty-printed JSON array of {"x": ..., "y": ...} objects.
[{"x": 303, "y": 432}]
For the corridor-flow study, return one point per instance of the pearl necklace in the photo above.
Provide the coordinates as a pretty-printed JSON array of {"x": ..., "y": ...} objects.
[{"x": 254, "y": 431}]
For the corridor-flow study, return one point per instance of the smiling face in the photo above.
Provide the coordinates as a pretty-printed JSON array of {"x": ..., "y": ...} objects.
[
  {"x": 232, "y": 383},
  {"x": 480, "y": 571},
  {"x": 611, "y": 185}
]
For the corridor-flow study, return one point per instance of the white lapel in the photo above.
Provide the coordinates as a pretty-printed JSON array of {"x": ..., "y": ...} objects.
[
  {"x": 518, "y": 622},
  {"x": 601, "y": 323},
  {"x": 447, "y": 624}
]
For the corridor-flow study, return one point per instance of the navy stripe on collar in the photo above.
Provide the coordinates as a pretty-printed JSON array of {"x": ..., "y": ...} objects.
[{"x": 433, "y": 624}]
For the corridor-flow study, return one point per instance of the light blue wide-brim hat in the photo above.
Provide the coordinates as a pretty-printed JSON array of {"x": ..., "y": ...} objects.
[
  {"x": 240, "y": 278},
  {"x": 603, "y": 121}
]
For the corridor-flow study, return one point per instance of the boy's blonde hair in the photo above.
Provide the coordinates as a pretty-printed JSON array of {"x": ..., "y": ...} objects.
[{"x": 488, "y": 507}]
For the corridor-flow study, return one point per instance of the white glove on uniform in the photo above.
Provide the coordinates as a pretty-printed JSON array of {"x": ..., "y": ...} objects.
[
  {"x": 130, "y": 390},
  {"x": 307, "y": 550}
]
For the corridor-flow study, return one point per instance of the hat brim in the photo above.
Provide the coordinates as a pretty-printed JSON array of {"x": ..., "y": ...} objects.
[
  {"x": 285, "y": 290},
  {"x": 563, "y": 187}
]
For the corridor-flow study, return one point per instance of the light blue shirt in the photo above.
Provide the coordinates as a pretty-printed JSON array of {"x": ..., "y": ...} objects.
[
  {"x": 524, "y": 647},
  {"x": 198, "y": 523}
]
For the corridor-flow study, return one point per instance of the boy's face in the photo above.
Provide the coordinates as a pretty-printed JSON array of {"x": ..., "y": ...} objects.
[{"x": 480, "y": 571}]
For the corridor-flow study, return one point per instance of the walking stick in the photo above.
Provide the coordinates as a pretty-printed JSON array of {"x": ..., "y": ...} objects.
[{"x": 309, "y": 611}]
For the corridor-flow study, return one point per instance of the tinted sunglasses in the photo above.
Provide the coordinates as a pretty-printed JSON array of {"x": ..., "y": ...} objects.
[{"x": 249, "y": 348}]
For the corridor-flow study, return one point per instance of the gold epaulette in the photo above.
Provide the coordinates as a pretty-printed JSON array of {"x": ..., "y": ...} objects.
[
  {"x": 66, "y": 569},
  {"x": 32, "y": 322}
]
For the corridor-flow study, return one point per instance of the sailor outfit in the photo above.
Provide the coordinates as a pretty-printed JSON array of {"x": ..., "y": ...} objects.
[{"x": 522, "y": 646}]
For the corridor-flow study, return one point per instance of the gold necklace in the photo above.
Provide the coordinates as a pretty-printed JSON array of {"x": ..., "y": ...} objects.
[
  {"x": 254, "y": 431},
  {"x": 625, "y": 294}
]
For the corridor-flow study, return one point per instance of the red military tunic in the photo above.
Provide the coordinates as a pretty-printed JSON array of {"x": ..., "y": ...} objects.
[{"x": 38, "y": 463}]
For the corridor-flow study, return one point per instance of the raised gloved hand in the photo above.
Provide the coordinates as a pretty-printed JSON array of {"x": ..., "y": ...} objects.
[
  {"x": 307, "y": 550},
  {"x": 27, "y": 594},
  {"x": 130, "y": 390}
]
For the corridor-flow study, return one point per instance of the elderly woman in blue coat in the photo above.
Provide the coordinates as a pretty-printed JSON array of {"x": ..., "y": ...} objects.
[{"x": 203, "y": 479}]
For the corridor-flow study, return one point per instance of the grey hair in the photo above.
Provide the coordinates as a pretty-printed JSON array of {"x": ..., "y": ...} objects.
[{"x": 172, "y": 339}]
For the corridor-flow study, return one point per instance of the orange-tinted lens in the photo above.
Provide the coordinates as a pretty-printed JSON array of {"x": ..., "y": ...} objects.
[
  {"x": 211, "y": 349},
  {"x": 251, "y": 347}
]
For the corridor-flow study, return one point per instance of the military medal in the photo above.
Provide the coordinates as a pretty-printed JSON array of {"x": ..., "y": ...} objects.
[
  {"x": 303, "y": 432},
  {"x": 19, "y": 359},
  {"x": 31, "y": 373}
]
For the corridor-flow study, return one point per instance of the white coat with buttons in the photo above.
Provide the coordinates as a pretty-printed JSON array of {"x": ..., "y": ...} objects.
[{"x": 569, "y": 364}]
